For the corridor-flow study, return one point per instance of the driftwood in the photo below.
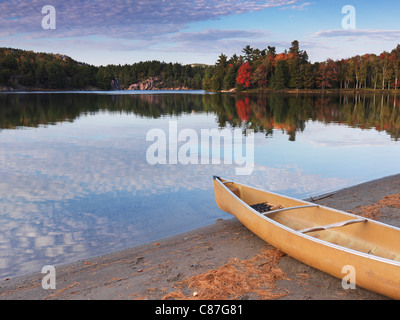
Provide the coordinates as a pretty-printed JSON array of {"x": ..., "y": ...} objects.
[{"x": 317, "y": 198}]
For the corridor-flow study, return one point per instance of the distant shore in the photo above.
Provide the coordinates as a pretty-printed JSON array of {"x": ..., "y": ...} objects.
[
  {"x": 164, "y": 268},
  {"x": 4, "y": 89},
  {"x": 85, "y": 90},
  {"x": 318, "y": 91}
]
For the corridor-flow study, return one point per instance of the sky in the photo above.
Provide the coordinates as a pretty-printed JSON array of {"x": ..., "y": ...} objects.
[{"x": 197, "y": 31}]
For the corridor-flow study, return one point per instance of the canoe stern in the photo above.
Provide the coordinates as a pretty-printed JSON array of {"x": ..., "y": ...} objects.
[{"x": 221, "y": 196}]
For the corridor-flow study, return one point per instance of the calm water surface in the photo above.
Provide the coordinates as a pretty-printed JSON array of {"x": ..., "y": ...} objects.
[{"x": 75, "y": 182}]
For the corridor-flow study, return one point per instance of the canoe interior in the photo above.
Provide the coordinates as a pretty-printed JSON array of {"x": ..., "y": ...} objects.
[{"x": 367, "y": 237}]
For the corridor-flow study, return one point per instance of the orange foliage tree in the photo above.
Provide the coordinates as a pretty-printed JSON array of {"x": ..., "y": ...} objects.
[{"x": 327, "y": 74}]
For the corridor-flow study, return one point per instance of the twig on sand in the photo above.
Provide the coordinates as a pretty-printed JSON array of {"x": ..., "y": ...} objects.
[{"x": 317, "y": 198}]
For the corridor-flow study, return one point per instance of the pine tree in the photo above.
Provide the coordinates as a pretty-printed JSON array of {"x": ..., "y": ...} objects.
[
  {"x": 230, "y": 78},
  {"x": 296, "y": 74},
  {"x": 308, "y": 77},
  {"x": 280, "y": 75}
]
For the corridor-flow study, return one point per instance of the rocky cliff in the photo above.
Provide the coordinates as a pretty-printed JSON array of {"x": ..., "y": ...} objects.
[
  {"x": 116, "y": 85},
  {"x": 153, "y": 83}
]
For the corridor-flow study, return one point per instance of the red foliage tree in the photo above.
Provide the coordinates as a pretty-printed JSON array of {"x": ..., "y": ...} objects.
[
  {"x": 261, "y": 75},
  {"x": 327, "y": 73},
  {"x": 244, "y": 76}
]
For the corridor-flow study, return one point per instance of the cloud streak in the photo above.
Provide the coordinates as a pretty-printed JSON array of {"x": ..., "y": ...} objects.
[
  {"x": 358, "y": 33},
  {"x": 300, "y": 7},
  {"x": 124, "y": 19}
]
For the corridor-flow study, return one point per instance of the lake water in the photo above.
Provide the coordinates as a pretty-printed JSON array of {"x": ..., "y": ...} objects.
[{"x": 76, "y": 180}]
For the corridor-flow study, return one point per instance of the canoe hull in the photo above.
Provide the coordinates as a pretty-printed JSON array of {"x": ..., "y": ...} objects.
[{"x": 372, "y": 273}]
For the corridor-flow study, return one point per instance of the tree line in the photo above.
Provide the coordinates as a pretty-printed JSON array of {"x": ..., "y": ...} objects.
[
  {"x": 262, "y": 69},
  {"x": 21, "y": 68},
  {"x": 253, "y": 69}
]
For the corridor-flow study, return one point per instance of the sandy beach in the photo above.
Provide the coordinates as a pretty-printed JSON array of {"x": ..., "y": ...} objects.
[{"x": 220, "y": 261}]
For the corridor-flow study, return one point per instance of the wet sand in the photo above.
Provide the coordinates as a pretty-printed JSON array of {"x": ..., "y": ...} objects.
[{"x": 165, "y": 269}]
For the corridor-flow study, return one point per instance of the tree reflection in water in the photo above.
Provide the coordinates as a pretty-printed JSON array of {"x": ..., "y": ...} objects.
[{"x": 261, "y": 112}]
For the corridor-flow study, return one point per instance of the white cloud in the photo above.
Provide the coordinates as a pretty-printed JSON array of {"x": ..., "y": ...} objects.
[
  {"x": 358, "y": 33},
  {"x": 300, "y": 7}
]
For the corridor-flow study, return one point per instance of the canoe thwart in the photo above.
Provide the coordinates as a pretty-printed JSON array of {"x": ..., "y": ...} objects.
[{"x": 333, "y": 225}]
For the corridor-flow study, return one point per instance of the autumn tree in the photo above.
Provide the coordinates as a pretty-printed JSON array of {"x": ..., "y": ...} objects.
[
  {"x": 261, "y": 74},
  {"x": 327, "y": 74},
  {"x": 244, "y": 76}
]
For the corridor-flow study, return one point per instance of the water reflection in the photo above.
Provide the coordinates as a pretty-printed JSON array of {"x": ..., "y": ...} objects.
[
  {"x": 75, "y": 181},
  {"x": 290, "y": 113},
  {"x": 263, "y": 113}
]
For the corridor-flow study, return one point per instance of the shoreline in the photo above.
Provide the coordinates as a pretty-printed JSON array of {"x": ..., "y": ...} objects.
[
  {"x": 233, "y": 90},
  {"x": 316, "y": 91},
  {"x": 157, "y": 269}
]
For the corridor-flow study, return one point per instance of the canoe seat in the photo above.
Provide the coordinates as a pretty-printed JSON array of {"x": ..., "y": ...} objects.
[
  {"x": 333, "y": 225},
  {"x": 265, "y": 207}
]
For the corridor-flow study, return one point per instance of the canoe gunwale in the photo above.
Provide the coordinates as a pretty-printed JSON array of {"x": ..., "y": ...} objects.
[{"x": 303, "y": 235}]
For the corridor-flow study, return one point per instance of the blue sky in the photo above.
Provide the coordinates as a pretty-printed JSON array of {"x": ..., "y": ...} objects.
[{"x": 197, "y": 31}]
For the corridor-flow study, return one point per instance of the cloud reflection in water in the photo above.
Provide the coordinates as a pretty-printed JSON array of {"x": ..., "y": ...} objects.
[
  {"x": 78, "y": 189},
  {"x": 82, "y": 189}
]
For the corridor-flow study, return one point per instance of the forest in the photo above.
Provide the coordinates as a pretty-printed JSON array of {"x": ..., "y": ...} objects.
[
  {"x": 262, "y": 69},
  {"x": 253, "y": 69},
  {"x": 26, "y": 69}
]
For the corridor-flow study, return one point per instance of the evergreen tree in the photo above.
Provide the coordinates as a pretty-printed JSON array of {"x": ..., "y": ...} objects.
[
  {"x": 296, "y": 73},
  {"x": 280, "y": 79},
  {"x": 308, "y": 80},
  {"x": 230, "y": 78}
]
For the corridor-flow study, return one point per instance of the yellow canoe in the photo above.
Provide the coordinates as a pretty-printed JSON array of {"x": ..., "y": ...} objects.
[{"x": 330, "y": 240}]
